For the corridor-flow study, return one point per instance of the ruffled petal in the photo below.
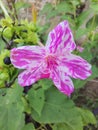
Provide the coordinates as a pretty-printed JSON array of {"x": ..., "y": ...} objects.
[
  {"x": 28, "y": 77},
  {"x": 62, "y": 82},
  {"x": 75, "y": 66},
  {"x": 26, "y": 56},
  {"x": 60, "y": 38}
]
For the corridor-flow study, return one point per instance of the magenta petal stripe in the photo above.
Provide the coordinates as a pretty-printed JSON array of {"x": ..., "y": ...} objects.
[
  {"x": 60, "y": 38},
  {"x": 75, "y": 66},
  {"x": 62, "y": 82},
  {"x": 28, "y": 77},
  {"x": 26, "y": 56}
]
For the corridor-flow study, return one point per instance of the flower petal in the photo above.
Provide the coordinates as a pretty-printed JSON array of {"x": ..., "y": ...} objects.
[
  {"x": 60, "y": 38},
  {"x": 25, "y": 56},
  {"x": 28, "y": 77},
  {"x": 75, "y": 66},
  {"x": 62, "y": 82},
  {"x": 79, "y": 48}
]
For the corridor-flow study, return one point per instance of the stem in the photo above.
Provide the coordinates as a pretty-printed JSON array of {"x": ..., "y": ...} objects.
[
  {"x": 92, "y": 25},
  {"x": 14, "y": 10},
  {"x": 93, "y": 81},
  {"x": 40, "y": 44},
  {"x": 6, "y": 42},
  {"x": 42, "y": 127},
  {"x": 7, "y": 85},
  {"x": 34, "y": 13},
  {"x": 4, "y": 9},
  {"x": 93, "y": 21}
]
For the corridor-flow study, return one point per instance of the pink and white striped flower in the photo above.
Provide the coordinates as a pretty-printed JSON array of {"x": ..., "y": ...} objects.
[{"x": 53, "y": 61}]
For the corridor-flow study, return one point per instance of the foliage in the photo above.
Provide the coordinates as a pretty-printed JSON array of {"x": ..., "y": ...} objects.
[
  {"x": 42, "y": 106},
  {"x": 23, "y": 32},
  {"x": 11, "y": 109}
]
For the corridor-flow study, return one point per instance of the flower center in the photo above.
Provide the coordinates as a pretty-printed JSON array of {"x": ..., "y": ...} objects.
[{"x": 51, "y": 61}]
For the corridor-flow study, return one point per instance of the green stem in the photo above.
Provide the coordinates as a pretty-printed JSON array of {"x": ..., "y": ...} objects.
[
  {"x": 4, "y": 9},
  {"x": 14, "y": 11},
  {"x": 93, "y": 21},
  {"x": 92, "y": 26}
]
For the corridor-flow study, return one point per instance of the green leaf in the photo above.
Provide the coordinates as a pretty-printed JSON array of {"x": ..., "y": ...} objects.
[
  {"x": 94, "y": 72},
  {"x": 57, "y": 109},
  {"x": 36, "y": 99},
  {"x": 64, "y": 7},
  {"x": 20, "y": 5},
  {"x": 2, "y": 44},
  {"x": 87, "y": 116},
  {"x": 79, "y": 83},
  {"x": 80, "y": 32},
  {"x": 29, "y": 126},
  {"x": 45, "y": 83},
  {"x": 64, "y": 126},
  {"x": 11, "y": 109},
  {"x": 83, "y": 16},
  {"x": 86, "y": 54},
  {"x": 94, "y": 6},
  {"x": 47, "y": 7},
  {"x": 27, "y": 107},
  {"x": 8, "y": 33}
]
